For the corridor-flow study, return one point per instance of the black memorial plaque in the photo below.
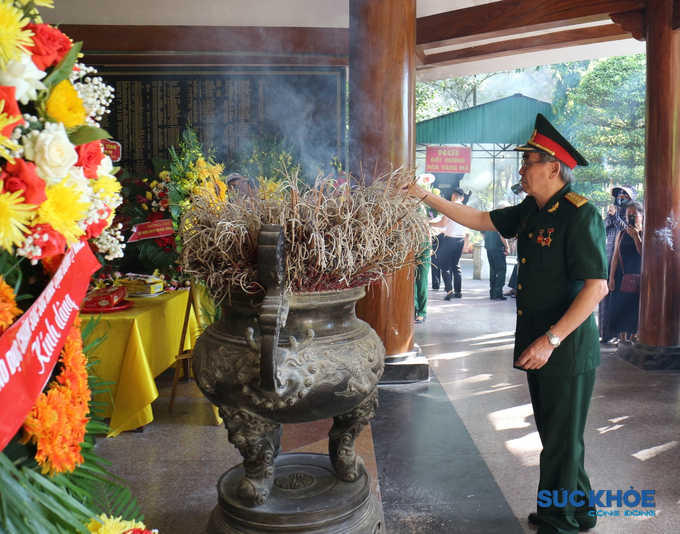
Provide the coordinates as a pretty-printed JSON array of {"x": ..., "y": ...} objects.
[{"x": 228, "y": 107}]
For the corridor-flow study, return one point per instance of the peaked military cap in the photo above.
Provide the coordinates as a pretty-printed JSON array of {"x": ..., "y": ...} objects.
[{"x": 547, "y": 139}]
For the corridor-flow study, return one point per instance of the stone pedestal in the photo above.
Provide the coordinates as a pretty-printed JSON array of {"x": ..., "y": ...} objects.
[
  {"x": 649, "y": 357},
  {"x": 307, "y": 497},
  {"x": 480, "y": 263},
  {"x": 407, "y": 367}
]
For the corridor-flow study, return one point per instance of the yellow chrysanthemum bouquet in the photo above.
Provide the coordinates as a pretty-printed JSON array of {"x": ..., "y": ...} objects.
[
  {"x": 56, "y": 189},
  {"x": 56, "y": 184}
]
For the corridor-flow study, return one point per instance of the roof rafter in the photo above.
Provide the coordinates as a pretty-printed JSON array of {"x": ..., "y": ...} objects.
[
  {"x": 580, "y": 36},
  {"x": 513, "y": 17}
]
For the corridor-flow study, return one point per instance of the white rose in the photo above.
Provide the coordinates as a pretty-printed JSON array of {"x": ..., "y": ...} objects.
[
  {"x": 51, "y": 151},
  {"x": 25, "y": 77},
  {"x": 105, "y": 166}
]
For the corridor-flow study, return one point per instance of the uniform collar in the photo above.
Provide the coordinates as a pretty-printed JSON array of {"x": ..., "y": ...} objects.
[{"x": 552, "y": 207}]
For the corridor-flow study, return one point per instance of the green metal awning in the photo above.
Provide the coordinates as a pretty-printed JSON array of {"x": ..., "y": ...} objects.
[{"x": 506, "y": 121}]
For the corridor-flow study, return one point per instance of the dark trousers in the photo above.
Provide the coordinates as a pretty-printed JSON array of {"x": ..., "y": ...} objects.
[
  {"x": 560, "y": 409},
  {"x": 448, "y": 261},
  {"x": 436, "y": 271},
  {"x": 513, "y": 277},
  {"x": 497, "y": 271}
]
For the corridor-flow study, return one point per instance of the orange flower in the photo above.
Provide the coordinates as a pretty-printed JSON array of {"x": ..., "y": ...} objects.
[
  {"x": 57, "y": 427},
  {"x": 58, "y": 420},
  {"x": 74, "y": 373},
  {"x": 8, "y": 306}
]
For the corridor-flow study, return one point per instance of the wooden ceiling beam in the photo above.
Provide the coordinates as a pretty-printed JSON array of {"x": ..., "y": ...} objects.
[
  {"x": 550, "y": 41},
  {"x": 207, "y": 60},
  {"x": 235, "y": 39},
  {"x": 513, "y": 17}
]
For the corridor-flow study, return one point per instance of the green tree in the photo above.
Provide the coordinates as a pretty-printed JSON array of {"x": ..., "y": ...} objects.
[
  {"x": 602, "y": 111},
  {"x": 446, "y": 96}
]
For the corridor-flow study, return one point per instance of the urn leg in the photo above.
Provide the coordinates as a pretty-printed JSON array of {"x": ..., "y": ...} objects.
[
  {"x": 259, "y": 442},
  {"x": 346, "y": 427}
]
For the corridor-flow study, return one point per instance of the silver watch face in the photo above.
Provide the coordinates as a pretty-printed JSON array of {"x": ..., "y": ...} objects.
[{"x": 554, "y": 340}]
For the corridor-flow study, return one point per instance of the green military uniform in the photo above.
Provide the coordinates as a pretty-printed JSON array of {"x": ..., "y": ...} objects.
[
  {"x": 559, "y": 246},
  {"x": 423, "y": 262}
]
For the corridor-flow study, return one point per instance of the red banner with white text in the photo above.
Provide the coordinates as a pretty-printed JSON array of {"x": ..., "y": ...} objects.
[
  {"x": 151, "y": 230},
  {"x": 30, "y": 348}
]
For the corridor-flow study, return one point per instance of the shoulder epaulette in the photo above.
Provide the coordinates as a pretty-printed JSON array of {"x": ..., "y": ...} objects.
[{"x": 576, "y": 199}]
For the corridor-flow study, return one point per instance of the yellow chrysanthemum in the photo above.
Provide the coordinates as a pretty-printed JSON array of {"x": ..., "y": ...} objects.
[
  {"x": 15, "y": 216},
  {"x": 201, "y": 163},
  {"x": 106, "y": 186},
  {"x": 64, "y": 105},
  {"x": 62, "y": 210},
  {"x": 164, "y": 174},
  {"x": 13, "y": 37},
  {"x": 112, "y": 525},
  {"x": 8, "y": 306},
  {"x": 7, "y": 146}
]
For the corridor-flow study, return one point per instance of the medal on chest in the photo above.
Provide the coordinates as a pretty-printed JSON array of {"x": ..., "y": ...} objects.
[{"x": 548, "y": 239}]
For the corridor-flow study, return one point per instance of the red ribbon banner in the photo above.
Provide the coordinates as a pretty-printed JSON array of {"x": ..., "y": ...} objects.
[
  {"x": 151, "y": 230},
  {"x": 30, "y": 348}
]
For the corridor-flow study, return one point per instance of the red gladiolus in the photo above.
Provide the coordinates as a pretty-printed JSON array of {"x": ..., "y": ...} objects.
[
  {"x": 21, "y": 176},
  {"x": 155, "y": 216}
]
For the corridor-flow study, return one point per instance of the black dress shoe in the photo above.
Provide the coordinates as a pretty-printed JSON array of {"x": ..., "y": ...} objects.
[
  {"x": 535, "y": 519},
  {"x": 449, "y": 296},
  {"x": 458, "y": 295},
  {"x": 420, "y": 319}
]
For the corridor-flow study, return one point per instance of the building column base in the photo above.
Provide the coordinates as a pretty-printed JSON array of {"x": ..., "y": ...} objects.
[{"x": 649, "y": 357}]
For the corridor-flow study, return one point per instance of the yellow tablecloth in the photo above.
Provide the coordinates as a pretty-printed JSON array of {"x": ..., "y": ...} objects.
[{"x": 141, "y": 343}]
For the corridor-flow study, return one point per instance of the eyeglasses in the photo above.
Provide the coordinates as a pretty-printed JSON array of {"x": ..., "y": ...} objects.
[{"x": 527, "y": 163}]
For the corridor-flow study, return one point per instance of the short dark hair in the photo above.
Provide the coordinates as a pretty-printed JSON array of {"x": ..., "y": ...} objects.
[
  {"x": 458, "y": 191},
  {"x": 637, "y": 205}
]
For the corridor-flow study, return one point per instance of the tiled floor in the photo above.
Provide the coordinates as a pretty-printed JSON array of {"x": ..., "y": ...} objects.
[{"x": 458, "y": 454}]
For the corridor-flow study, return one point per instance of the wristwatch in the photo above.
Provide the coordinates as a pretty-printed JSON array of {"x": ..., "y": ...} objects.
[{"x": 553, "y": 339}]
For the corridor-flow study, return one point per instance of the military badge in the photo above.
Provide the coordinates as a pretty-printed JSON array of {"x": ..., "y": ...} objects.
[
  {"x": 548, "y": 239},
  {"x": 554, "y": 208},
  {"x": 539, "y": 239}
]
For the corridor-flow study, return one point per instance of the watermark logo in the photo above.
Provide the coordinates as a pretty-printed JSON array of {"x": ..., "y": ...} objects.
[{"x": 601, "y": 499}]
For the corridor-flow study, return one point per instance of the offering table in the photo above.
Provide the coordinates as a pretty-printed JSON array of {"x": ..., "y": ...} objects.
[{"x": 141, "y": 342}]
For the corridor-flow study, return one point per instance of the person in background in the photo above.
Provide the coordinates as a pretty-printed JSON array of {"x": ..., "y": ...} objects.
[
  {"x": 452, "y": 244},
  {"x": 496, "y": 251},
  {"x": 627, "y": 258},
  {"x": 436, "y": 244},
  {"x": 561, "y": 245},
  {"x": 239, "y": 184},
  {"x": 614, "y": 222},
  {"x": 420, "y": 289}
]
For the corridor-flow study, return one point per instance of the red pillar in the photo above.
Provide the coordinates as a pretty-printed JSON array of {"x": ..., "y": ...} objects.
[
  {"x": 382, "y": 136},
  {"x": 659, "y": 331}
]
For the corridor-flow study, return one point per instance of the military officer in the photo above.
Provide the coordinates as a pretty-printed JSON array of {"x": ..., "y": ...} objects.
[{"x": 562, "y": 276}]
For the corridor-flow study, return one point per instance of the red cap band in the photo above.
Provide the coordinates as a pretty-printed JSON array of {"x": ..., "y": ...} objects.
[{"x": 551, "y": 147}]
